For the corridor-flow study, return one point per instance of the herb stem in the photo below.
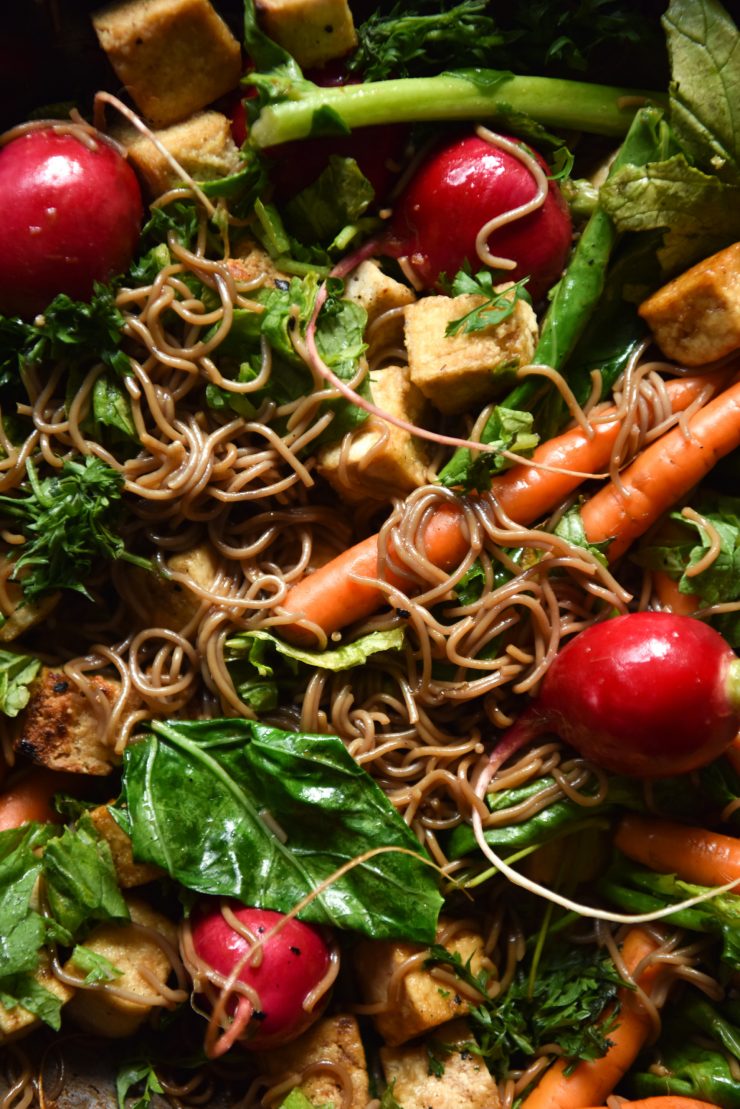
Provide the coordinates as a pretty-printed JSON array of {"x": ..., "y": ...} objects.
[{"x": 475, "y": 94}]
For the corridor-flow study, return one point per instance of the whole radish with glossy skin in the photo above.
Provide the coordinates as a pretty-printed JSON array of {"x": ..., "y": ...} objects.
[
  {"x": 649, "y": 694},
  {"x": 456, "y": 190},
  {"x": 71, "y": 215},
  {"x": 282, "y": 973}
]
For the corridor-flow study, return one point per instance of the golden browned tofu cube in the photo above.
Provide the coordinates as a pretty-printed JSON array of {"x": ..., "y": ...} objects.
[
  {"x": 173, "y": 56},
  {"x": 59, "y": 727},
  {"x": 374, "y": 291},
  {"x": 20, "y": 615},
  {"x": 333, "y": 1040},
  {"x": 202, "y": 145},
  {"x": 161, "y": 602},
  {"x": 380, "y": 461},
  {"x": 128, "y": 872},
  {"x": 254, "y": 266},
  {"x": 18, "y": 1021},
  {"x": 139, "y": 958},
  {"x": 313, "y": 31},
  {"x": 695, "y": 318},
  {"x": 422, "y": 1001},
  {"x": 464, "y": 371},
  {"x": 465, "y": 1082}
]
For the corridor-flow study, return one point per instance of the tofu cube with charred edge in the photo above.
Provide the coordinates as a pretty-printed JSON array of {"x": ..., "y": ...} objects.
[
  {"x": 128, "y": 872},
  {"x": 459, "y": 1080},
  {"x": 251, "y": 263},
  {"x": 377, "y": 293},
  {"x": 59, "y": 727},
  {"x": 465, "y": 371},
  {"x": 18, "y": 1021},
  {"x": 162, "y": 602},
  {"x": 422, "y": 1001},
  {"x": 174, "y": 57},
  {"x": 379, "y": 461},
  {"x": 143, "y": 964},
  {"x": 695, "y": 318},
  {"x": 335, "y": 1043},
  {"x": 202, "y": 145},
  {"x": 313, "y": 31}
]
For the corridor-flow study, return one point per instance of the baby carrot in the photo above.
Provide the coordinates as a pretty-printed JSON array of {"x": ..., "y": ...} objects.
[
  {"x": 332, "y": 597},
  {"x": 591, "y": 1082},
  {"x": 671, "y": 600},
  {"x": 694, "y": 854},
  {"x": 663, "y": 473},
  {"x": 30, "y": 798}
]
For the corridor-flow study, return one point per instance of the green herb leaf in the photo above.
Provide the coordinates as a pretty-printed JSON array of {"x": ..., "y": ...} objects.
[
  {"x": 94, "y": 966},
  {"x": 498, "y": 305},
  {"x": 69, "y": 521},
  {"x": 507, "y": 429},
  {"x": 133, "y": 1074},
  {"x": 339, "y": 196},
  {"x": 335, "y": 659},
  {"x": 27, "y": 991},
  {"x": 81, "y": 882},
  {"x": 17, "y": 673},
  {"x": 233, "y": 770}
]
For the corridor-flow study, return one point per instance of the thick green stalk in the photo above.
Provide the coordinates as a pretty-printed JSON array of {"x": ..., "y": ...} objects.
[{"x": 478, "y": 94}]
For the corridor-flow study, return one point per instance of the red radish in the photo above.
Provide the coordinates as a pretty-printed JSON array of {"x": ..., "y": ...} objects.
[
  {"x": 291, "y": 965},
  {"x": 455, "y": 192},
  {"x": 649, "y": 694},
  {"x": 71, "y": 216}
]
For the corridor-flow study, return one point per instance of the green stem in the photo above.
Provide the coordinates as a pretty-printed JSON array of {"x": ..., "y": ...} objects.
[{"x": 481, "y": 94}]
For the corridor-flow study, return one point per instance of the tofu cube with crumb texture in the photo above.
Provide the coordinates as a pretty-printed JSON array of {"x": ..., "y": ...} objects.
[
  {"x": 60, "y": 728},
  {"x": 168, "y": 602},
  {"x": 174, "y": 57},
  {"x": 334, "y": 1041},
  {"x": 19, "y": 616},
  {"x": 420, "y": 1001},
  {"x": 202, "y": 145},
  {"x": 695, "y": 318},
  {"x": 460, "y": 372},
  {"x": 253, "y": 264},
  {"x": 374, "y": 291},
  {"x": 143, "y": 964},
  {"x": 463, "y": 1081},
  {"x": 128, "y": 872},
  {"x": 378, "y": 460},
  {"x": 313, "y": 31},
  {"x": 17, "y": 1021}
]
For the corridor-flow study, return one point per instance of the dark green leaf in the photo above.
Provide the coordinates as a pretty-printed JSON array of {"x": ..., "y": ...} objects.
[
  {"x": 22, "y": 929},
  {"x": 132, "y": 1075},
  {"x": 507, "y": 429},
  {"x": 235, "y": 769},
  {"x": 27, "y": 991},
  {"x": 81, "y": 883},
  {"x": 339, "y": 196}
]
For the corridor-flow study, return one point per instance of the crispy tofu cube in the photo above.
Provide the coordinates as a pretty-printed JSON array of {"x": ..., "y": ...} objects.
[
  {"x": 202, "y": 145},
  {"x": 465, "y": 371},
  {"x": 139, "y": 957},
  {"x": 378, "y": 460},
  {"x": 374, "y": 291},
  {"x": 128, "y": 872},
  {"x": 168, "y": 602},
  {"x": 696, "y": 317},
  {"x": 21, "y": 616},
  {"x": 313, "y": 31},
  {"x": 59, "y": 727},
  {"x": 253, "y": 265},
  {"x": 174, "y": 56},
  {"x": 465, "y": 1083},
  {"x": 423, "y": 1002},
  {"x": 334, "y": 1040},
  {"x": 18, "y": 1021}
]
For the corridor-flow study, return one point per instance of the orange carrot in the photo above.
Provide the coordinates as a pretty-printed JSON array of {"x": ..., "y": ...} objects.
[
  {"x": 671, "y": 600},
  {"x": 590, "y": 1083},
  {"x": 333, "y": 598},
  {"x": 663, "y": 473},
  {"x": 29, "y": 798},
  {"x": 665, "y": 1101},
  {"x": 694, "y": 854}
]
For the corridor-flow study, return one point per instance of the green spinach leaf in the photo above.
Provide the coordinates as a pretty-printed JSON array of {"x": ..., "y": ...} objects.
[
  {"x": 17, "y": 673},
  {"x": 329, "y": 809}
]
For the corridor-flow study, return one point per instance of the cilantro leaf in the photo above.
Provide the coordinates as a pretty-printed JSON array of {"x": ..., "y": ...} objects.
[
  {"x": 138, "y": 1074},
  {"x": 17, "y": 672},
  {"x": 498, "y": 305},
  {"x": 69, "y": 521},
  {"x": 507, "y": 429},
  {"x": 94, "y": 966}
]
